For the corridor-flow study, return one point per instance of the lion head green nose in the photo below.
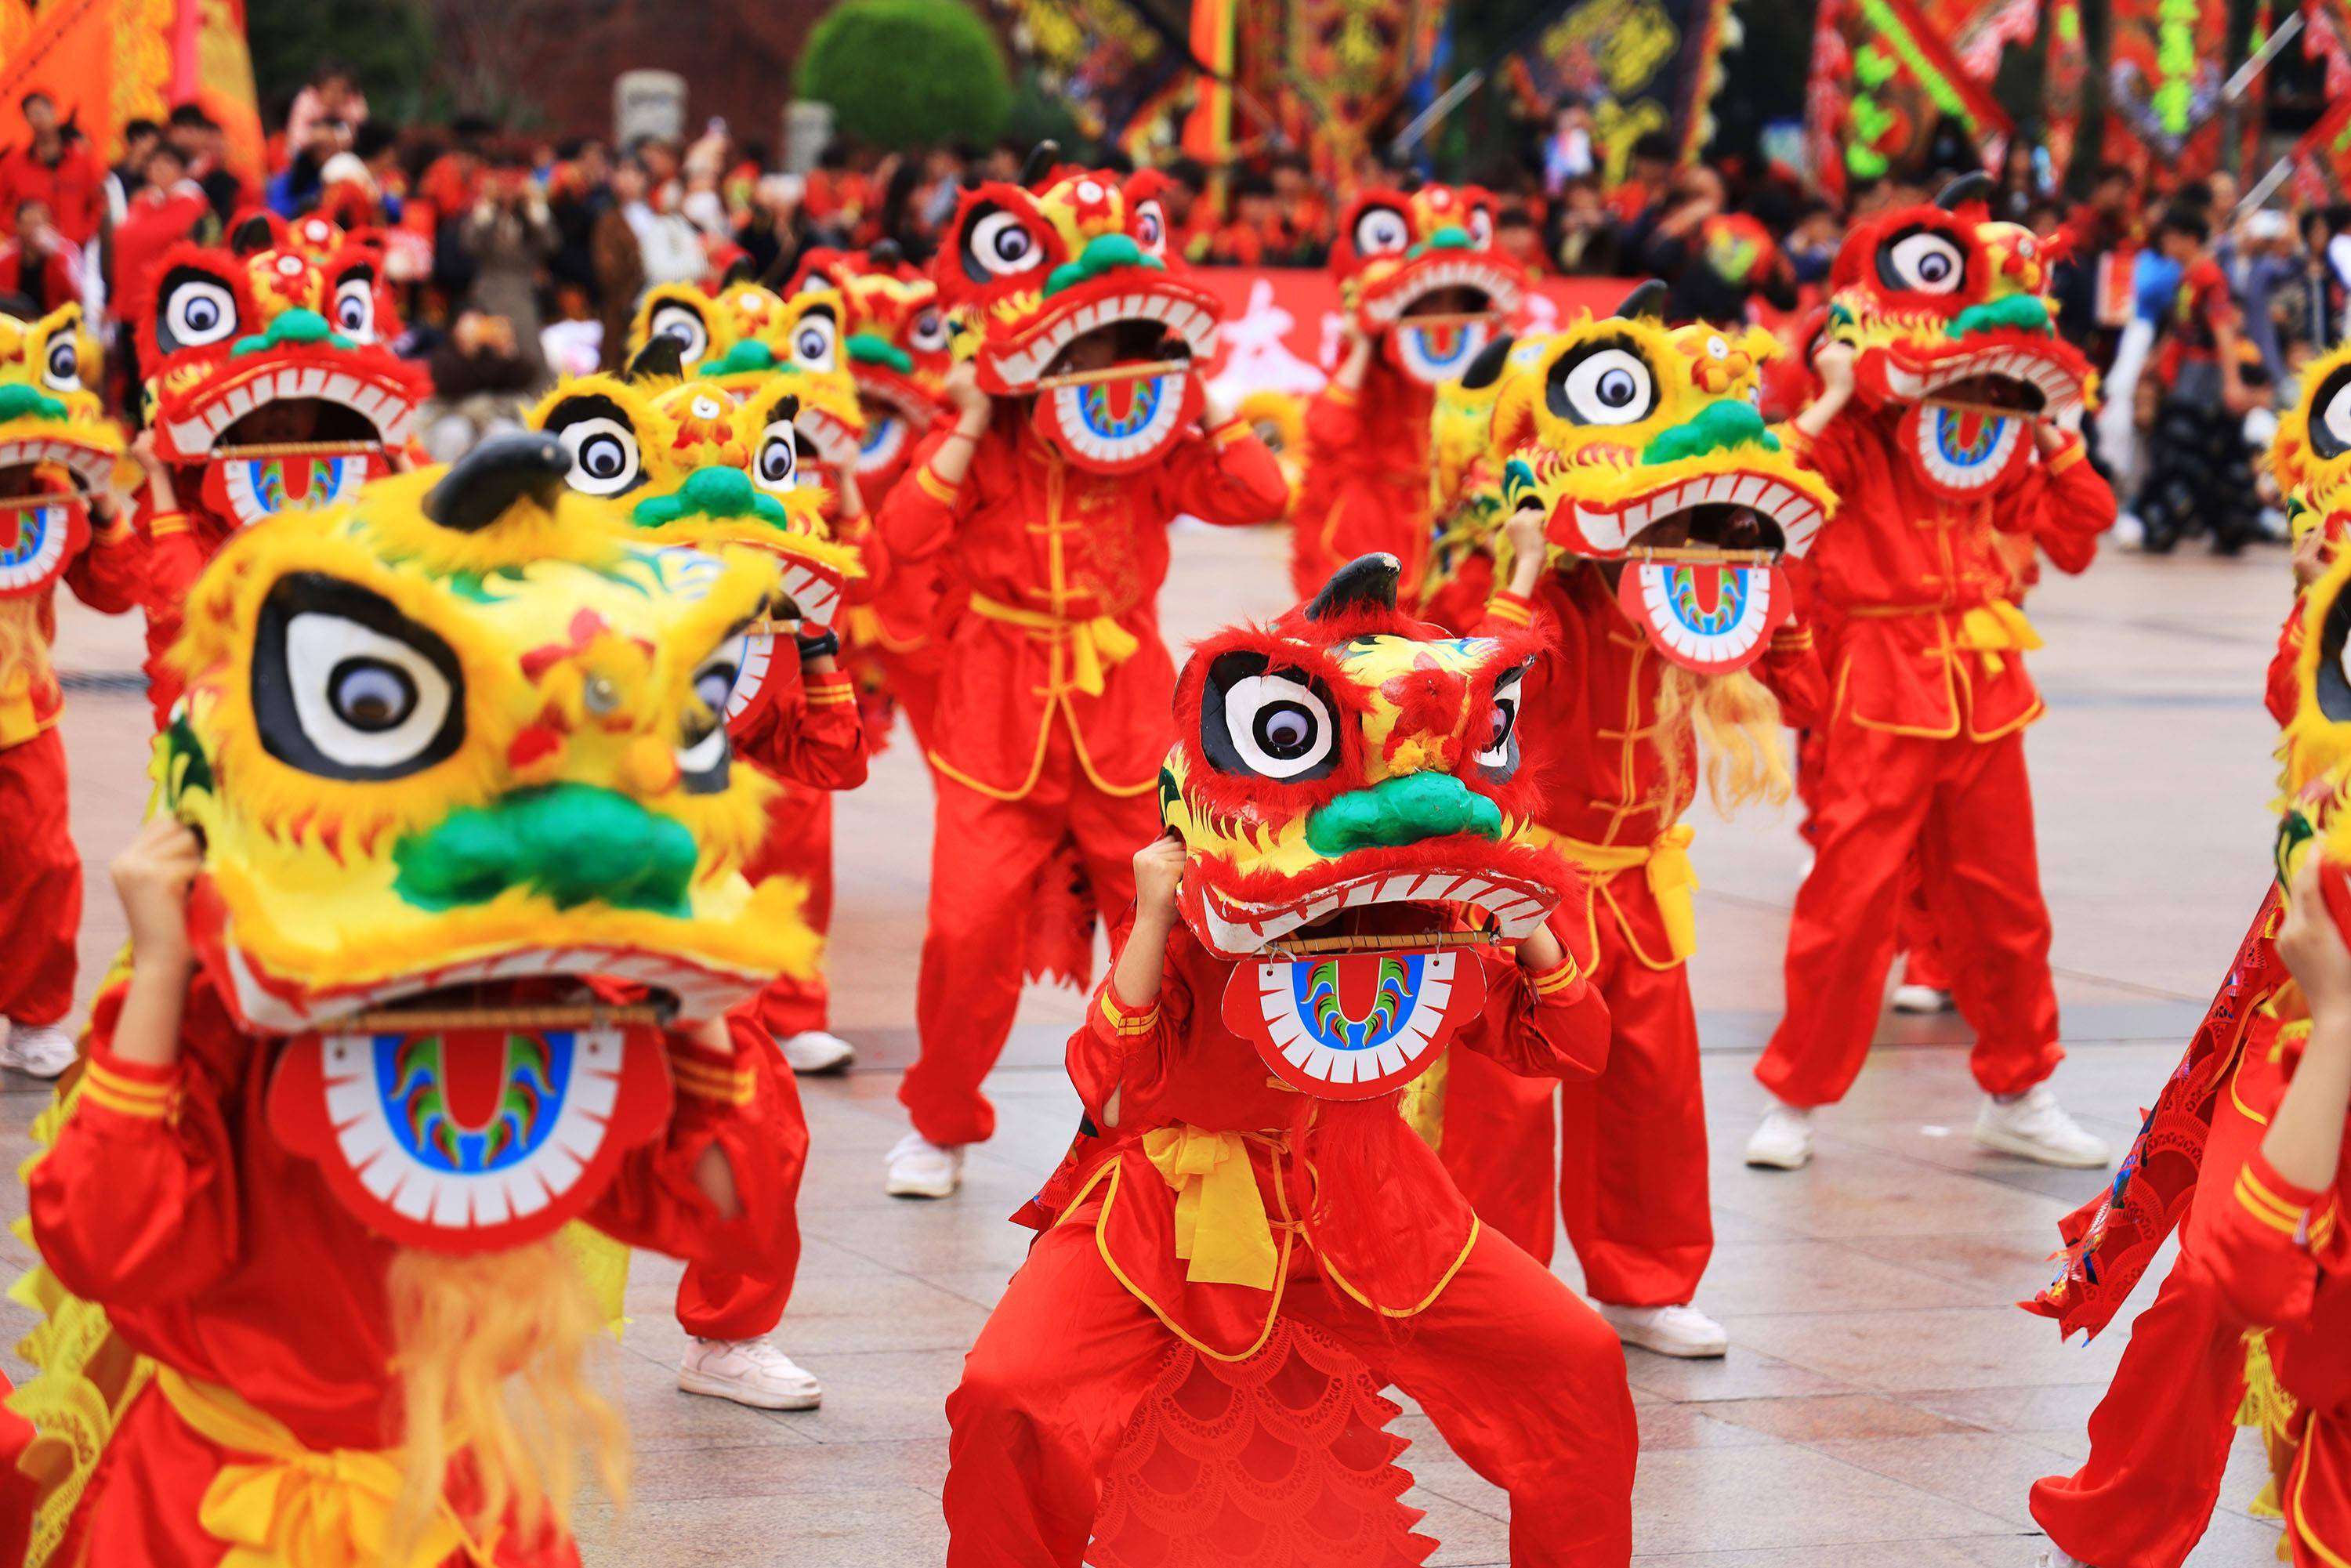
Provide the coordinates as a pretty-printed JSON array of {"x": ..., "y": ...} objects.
[{"x": 1404, "y": 810}]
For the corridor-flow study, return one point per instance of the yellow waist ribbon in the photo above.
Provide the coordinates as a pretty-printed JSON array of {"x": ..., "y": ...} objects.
[
  {"x": 1220, "y": 1225},
  {"x": 1992, "y": 630},
  {"x": 288, "y": 1506},
  {"x": 860, "y": 626},
  {"x": 1672, "y": 879},
  {"x": 1094, "y": 645}
]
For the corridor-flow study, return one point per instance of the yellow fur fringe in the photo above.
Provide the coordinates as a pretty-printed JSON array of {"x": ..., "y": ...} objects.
[{"x": 1738, "y": 725}]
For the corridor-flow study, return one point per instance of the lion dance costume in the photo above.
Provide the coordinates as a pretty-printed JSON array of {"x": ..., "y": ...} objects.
[
  {"x": 1923, "y": 750},
  {"x": 1053, "y": 705},
  {"x": 58, "y": 454},
  {"x": 272, "y": 387},
  {"x": 1420, "y": 278},
  {"x": 471, "y": 827},
  {"x": 1671, "y": 516},
  {"x": 2159, "y": 1440},
  {"x": 1348, "y": 784}
]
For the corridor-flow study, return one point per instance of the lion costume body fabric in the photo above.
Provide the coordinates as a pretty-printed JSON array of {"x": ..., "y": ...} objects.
[
  {"x": 1353, "y": 790},
  {"x": 470, "y": 900},
  {"x": 1958, "y": 375},
  {"x": 1420, "y": 278},
  {"x": 2159, "y": 1440}
]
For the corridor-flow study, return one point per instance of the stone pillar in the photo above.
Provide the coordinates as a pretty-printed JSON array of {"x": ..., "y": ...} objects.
[
  {"x": 808, "y": 128},
  {"x": 648, "y": 103}
]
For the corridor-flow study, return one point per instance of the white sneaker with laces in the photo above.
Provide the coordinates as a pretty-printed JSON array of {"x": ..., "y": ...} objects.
[
  {"x": 920, "y": 1169},
  {"x": 1784, "y": 1141},
  {"x": 1683, "y": 1330},
  {"x": 2033, "y": 1126},
  {"x": 1910, "y": 998},
  {"x": 43, "y": 1049},
  {"x": 749, "y": 1372},
  {"x": 816, "y": 1051}
]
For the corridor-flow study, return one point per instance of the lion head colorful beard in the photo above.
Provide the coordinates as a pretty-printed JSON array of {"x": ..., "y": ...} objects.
[
  {"x": 1348, "y": 782},
  {"x": 1641, "y": 445},
  {"x": 58, "y": 448},
  {"x": 271, "y": 383},
  {"x": 1421, "y": 276},
  {"x": 2311, "y": 456},
  {"x": 1948, "y": 313},
  {"x": 899, "y": 343},
  {"x": 455, "y": 748},
  {"x": 1078, "y": 264}
]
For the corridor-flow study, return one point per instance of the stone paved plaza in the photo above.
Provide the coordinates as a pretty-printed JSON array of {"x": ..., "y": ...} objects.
[{"x": 1883, "y": 1403}]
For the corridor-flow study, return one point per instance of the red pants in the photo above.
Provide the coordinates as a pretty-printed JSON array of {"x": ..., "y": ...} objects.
[
  {"x": 800, "y": 845},
  {"x": 1919, "y": 937},
  {"x": 2159, "y": 1440},
  {"x": 1965, "y": 808},
  {"x": 985, "y": 858},
  {"x": 719, "y": 1303},
  {"x": 1522, "y": 1378},
  {"x": 1632, "y": 1142},
  {"x": 40, "y": 882}
]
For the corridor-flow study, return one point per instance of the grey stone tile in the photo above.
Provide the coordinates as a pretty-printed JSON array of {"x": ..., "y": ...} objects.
[{"x": 1777, "y": 1495}]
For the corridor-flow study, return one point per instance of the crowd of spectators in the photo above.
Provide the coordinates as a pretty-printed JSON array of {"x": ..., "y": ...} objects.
[{"x": 519, "y": 259}]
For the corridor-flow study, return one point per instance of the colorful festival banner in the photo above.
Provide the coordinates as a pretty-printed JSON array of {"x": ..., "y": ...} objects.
[
  {"x": 1642, "y": 64},
  {"x": 1102, "y": 57},
  {"x": 106, "y": 62},
  {"x": 1883, "y": 74},
  {"x": 1349, "y": 63},
  {"x": 2166, "y": 75}
]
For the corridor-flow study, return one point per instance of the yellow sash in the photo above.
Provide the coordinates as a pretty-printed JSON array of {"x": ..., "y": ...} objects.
[
  {"x": 1672, "y": 878},
  {"x": 1220, "y": 1225},
  {"x": 1994, "y": 630},
  {"x": 1094, "y": 645},
  {"x": 290, "y": 1506}
]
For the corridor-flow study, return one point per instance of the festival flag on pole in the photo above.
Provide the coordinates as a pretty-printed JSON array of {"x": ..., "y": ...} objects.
[
  {"x": 1882, "y": 76},
  {"x": 106, "y": 62},
  {"x": 1208, "y": 130}
]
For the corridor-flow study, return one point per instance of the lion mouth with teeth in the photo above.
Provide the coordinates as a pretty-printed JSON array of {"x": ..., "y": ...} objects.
[
  {"x": 58, "y": 449},
  {"x": 1423, "y": 278}
]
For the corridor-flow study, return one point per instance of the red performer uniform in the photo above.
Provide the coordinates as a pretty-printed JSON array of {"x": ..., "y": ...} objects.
[
  {"x": 227, "y": 1260},
  {"x": 41, "y": 871},
  {"x": 1366, "y": 489},
  {"x": 1632, "y": 1140},
  {"x": 1054, "y": 705},
  {"x": 804, "y": 730},
  {"x": 1923, "y": 752},
  {"x": 1355, "y": 1229}
]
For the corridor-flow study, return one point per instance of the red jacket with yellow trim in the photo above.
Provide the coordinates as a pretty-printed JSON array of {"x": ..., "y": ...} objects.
[
  {"x": 1063, "y": 569},
  {"x": 1901, "y": 568},
  {"x": 104, "y": 575},
  {"x": 1354, "y": 1195},
  {"x": 1366, "y": 487}
]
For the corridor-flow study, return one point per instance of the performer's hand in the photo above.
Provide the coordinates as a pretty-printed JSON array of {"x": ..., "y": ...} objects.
[
  {"x": 159, "y": 476},
  {"x": 1833, "y": 363},
  {"x": 152, "y": 876},
  {"x": 1541, "y": 951},
  {"x": 2313, "y": 554},
  {"x": 2048, "y": 436},
  {"x": 2313, "y": 947},
  {"x": 1530, "y": 548},
  {"x": 962, "y": 393},
  {"x": 1158, "y": 870},
  {"x": 1215, "y": 411}
]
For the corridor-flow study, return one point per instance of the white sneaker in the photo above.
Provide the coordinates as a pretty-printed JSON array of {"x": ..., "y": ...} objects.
[
  {"x": 920, "y": 1169},
  {"x": 1921, "y": 999},
  {"x": 749, "y": 1372},
  {"x": 1683, "y": 1332},
  {"x": 2058, "y": 1557},
  {"x": 817, "y": 1051},
  {"x": 1784, "y": 1141},
  {"x": 43, "y": 1049},
  {"x": 2035, "y": 1127}
]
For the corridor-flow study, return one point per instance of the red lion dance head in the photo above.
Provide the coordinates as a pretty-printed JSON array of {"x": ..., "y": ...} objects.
[{"x": 1421, "y": 276}]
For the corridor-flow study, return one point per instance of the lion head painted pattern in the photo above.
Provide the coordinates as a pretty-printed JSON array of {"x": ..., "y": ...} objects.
[
  {"x": 744, "y": 337},
  {"x": 1948, "y": 314},
  {"x": 58, "y": 448},
  {"x": 898, "y": 340},
  {"x": 2312, "y": 454},
  {"x": 269, "y": 367},
  {"x": 1641, "y": 444},
  {"x": 1070, "y": 274},
  {"x": 1420, "y": 274},
  {"x": 690, "y": 464},
  {"x": 1349, "y": 783}
]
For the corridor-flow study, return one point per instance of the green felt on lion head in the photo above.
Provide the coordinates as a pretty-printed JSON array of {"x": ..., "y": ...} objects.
[
  {"x": 2021, "y": 312},
  {"x": 748, "y": 357},
  {"x": 1718, "y": 427},
  {"x": 1403, "y": 810},
  {"x": 297, "y": 326},
  {"x": 716, "y": 493},
  {"x": 1103, "y": 252},
  {"x": 866, "y": 349},
  {"x": 18, "y": 401},
  {"x": 572, "y": 844}
]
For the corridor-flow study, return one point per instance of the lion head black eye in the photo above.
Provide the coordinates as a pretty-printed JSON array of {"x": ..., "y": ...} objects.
[
  {"x": 355, "y": 307},
  {"x": 675, "y": 319},
  {"x": 1605, "y": 382},
  {"x": 1499, "y": 755},
  {"x": 606, "y": 459},
  {"x": 1382, "y": 231},
  {"x": 195, "y": 309},
  {"x": 347, "y": 688},
  {"x": 1922, "y": 261},
  {"x": 1273, "y": 724},
  {"x": 999, "y": 243},
  {"x": 62, "y": 368},
  {"x": 2330, "y": 415}
]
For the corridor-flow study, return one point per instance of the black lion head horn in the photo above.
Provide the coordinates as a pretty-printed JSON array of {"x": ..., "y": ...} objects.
[
  {"x": 481, "y": 487},
  {"x": 251, "y": 235},
  {"x": 1040, "y": 160},
  {"x": 1368, "y": 580},
  {"x": 663, "y": 359},
  {"x": 1486, "y": 368},
  {"x": 1966, "y": 188},
  {"x": 1647, "y": 299},
  {"x": 886, "y": 254}
]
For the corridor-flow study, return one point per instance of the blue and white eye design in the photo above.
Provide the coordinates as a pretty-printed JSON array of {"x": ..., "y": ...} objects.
[
  {"x": 38, "y": 552},
  {"x": 1115, "y": 423}
]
